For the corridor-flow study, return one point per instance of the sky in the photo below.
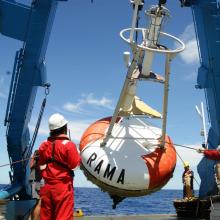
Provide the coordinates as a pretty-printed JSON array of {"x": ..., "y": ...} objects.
[{"x": 86, "y": 71}]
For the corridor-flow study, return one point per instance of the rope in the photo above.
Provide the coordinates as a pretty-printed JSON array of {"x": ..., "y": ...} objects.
[
  {"x": 183, "y": 163},
  {"x": 18, "y": 161},
  {"x": 180, "y": 157},
  {"x": 196, "y": 181},
  {"x": 184, "y": 146},
  {"x": 25, "y": 159}
]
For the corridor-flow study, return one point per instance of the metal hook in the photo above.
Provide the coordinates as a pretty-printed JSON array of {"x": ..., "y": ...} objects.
[{"x": 47, "y": 88}]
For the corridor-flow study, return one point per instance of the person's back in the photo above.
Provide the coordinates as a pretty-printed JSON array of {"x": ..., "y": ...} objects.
[
  {"x": 65, "y": 158},
  {"x": 58, "y": 156}
]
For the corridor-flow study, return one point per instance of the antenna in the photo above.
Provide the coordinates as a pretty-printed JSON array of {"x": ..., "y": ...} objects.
[
  {"x": 137, "y": 4},
  {"x": 198, "y": 111},
  {"x": 162, "y": 2},
  {"x": 201, "y": 114},
  {"x": 156, "y": 16},
  {"x": 127, "y": 58}
]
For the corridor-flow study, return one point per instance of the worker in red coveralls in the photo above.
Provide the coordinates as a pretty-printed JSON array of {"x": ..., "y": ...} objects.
[
  {"x": 213, "y": 155},
  {"x": 210, "y": 154},
  {"x": 58, "y": 158}
]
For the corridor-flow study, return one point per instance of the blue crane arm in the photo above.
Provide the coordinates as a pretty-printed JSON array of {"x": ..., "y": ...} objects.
[
  {"x": 206, "y": 14},
  {"x": 9, "y": 23},
  {"x": 207, "y": 24},
  {"x": 32, "y": 25}
]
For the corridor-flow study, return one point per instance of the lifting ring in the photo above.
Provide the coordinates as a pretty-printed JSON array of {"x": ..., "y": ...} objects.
[{"x": 157, "y": 50}]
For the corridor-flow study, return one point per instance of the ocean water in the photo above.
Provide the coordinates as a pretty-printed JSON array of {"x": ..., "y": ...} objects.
[{"x": 95, "y": 202}]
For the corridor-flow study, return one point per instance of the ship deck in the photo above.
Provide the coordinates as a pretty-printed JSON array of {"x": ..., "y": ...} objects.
[
  {"x": 132, "y": 217},
  {"x": 3, "y": 215}
]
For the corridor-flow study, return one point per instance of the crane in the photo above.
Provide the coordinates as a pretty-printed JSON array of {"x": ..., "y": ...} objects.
[
  {"x": 206, "y": 15},
  {"x": 32, "y": 26}
]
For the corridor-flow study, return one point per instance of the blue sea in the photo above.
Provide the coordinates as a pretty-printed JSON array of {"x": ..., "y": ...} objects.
[{"x": 95, "y": 202}]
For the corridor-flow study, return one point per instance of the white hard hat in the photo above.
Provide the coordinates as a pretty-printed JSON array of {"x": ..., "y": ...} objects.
[
  {"x": 56, "y": 121},
  {"x": 218, "y": 148}
]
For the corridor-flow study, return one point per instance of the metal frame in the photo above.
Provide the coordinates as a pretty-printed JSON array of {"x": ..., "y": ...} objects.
[
  {"x": 31, "y": 25},
  {"x": 137, "y": 50}
]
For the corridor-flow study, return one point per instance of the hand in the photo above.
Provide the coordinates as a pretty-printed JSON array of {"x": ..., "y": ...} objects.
[{"x": 200, "y": 150}]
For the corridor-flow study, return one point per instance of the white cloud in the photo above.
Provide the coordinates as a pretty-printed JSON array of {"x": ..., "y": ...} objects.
[
  {"x": 190, "y": 55},
  {"x": 77, "y": 127},
  {"x": 88, "y": 99},
  {"x": 71, "y": 107},
  {"x": 104, "y": 102},
  {"x": 188, "y": 33}
]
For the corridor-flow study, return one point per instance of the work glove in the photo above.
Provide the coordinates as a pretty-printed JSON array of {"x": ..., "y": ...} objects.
[{"x": 200, "y": 150}]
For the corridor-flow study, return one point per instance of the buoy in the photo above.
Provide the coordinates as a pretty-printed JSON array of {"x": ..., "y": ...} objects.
[
  {"x": 131, "y": 163},
  {"x": 125, "y": 155},
  {"x": 78, "y": 213}
]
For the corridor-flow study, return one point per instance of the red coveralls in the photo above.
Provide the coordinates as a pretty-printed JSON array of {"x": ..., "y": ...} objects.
[
  {"x": 57, "y": 198},
  {"x": 212, "y": 154}
]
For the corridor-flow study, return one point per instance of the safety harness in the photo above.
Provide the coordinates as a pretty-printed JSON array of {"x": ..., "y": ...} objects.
[{"x": 53, "y": 160}]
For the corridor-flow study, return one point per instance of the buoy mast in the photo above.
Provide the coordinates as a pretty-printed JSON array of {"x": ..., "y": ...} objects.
[{"x": 140, "y": 67}]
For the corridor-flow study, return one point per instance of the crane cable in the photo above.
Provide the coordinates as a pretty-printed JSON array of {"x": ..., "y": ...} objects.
[
  {"x": 47, "y": 85},
  {"x": 43, "y": 105}
]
